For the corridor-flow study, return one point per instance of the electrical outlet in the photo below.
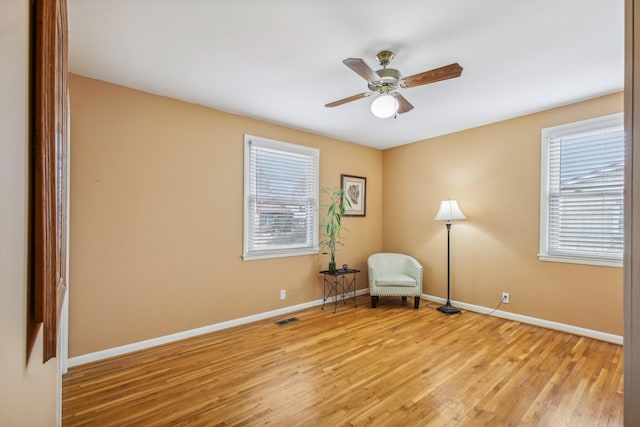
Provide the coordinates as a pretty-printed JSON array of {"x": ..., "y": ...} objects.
[
  {"x": 283, "y": 294},
  {"x": 505, "y": 297}
]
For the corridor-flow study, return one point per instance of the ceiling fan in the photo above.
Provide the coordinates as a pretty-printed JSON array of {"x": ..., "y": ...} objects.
[{"x": 386, "y": 80}]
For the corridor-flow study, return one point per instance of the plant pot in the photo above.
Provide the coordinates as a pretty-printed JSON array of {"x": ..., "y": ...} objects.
[{"x": 332, "y": 266}]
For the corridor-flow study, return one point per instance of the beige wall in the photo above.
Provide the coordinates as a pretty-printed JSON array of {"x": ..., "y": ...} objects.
[
  {"x": 156, "y": 218},
  {"x": 494, "y": 173},
  {"x": 27, "y": 386}
]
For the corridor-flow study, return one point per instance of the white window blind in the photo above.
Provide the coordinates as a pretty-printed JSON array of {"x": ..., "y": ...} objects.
[
  {"x": 582, "y": 201},
  {"x": 281, "y": 199}
]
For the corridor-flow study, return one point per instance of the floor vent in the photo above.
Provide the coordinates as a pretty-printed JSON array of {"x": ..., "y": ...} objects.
[{"x": 285, "y": 321}]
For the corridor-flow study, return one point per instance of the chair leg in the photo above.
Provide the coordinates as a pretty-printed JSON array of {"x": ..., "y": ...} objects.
[
  {"x": 404, "y": 299},
  {"x": 416, "y": 302},
  {"x": 374, "y": 301}
]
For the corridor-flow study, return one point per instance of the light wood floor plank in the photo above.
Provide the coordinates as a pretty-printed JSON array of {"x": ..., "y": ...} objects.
[{"x": 389, "y": 366}]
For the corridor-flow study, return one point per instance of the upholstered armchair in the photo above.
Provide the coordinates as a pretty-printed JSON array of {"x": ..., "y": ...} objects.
[{"x": 393, "y": 274}]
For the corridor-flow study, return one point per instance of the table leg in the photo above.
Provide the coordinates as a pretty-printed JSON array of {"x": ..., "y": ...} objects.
[
  {"x": 329, "y": 288},
  {"x": 349, "y": 288}
]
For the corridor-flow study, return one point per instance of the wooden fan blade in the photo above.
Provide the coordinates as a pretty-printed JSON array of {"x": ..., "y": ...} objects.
[
  {"x": 349, "y": 99},
  {"x": 403, "y": 104},
  {"x": 443, "y": 73},
  {"x": 362, "y": 69}
]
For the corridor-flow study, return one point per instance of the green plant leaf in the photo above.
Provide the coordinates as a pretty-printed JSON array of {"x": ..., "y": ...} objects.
[{"x": 331, "y": 224}]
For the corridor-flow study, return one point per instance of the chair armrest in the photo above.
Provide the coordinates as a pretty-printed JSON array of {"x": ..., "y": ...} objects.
[
  {"x": 372, "y": 277},
  {"x": 415, "y": 270}
]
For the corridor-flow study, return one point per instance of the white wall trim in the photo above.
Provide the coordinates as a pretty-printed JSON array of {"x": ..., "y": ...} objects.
[
  {"x": 141, "y": 345},
  {"x": 590, "y": 333}
]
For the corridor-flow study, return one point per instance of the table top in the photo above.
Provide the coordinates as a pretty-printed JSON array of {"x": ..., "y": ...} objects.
[{"x": 339, "y": 272}]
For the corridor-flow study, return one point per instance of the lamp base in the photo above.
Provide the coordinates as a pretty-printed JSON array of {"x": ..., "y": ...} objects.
[{"x": 448, "y": 309}]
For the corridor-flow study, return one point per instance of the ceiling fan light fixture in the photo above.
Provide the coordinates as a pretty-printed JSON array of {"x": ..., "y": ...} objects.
[
  {"x": 385, "y": 81},
  {"x": 384, "y": 106}
]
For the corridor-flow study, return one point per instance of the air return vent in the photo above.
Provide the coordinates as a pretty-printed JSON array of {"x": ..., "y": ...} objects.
[{"x": 285, "y": 321}]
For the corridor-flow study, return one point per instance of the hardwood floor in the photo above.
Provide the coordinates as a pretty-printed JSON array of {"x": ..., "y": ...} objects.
[{"x": 389, "y": 366}]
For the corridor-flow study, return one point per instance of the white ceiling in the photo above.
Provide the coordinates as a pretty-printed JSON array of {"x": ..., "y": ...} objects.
[{"x": 281, "y": 60}]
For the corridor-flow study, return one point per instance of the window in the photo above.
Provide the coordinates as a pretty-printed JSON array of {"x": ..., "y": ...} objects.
[
  {"x": 581, "y": 197},
  {"x": 280, "y": 199}
]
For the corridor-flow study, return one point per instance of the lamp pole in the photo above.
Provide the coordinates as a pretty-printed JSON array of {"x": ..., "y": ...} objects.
[{"x": 448, "y": 308}]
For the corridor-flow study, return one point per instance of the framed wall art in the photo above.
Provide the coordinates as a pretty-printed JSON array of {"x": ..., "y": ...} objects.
[{"x": 355, "y": 189}]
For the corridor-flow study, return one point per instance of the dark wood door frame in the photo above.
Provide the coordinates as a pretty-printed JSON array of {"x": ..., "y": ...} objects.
[
  {"x": 632, "y": 215},
  {"x": 48, "y": 169}
]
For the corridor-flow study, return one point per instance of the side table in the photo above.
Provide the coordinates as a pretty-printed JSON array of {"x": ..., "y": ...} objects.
[{"x": 336, "y": 281}]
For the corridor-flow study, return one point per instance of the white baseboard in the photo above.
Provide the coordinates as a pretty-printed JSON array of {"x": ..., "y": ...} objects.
[
  {"x": 141, "y": 345},
  {"x": 590, "y": 333}
]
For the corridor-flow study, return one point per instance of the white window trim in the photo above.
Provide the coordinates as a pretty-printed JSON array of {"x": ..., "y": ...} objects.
[
  {"x": 566, "y": 129},
  {"x": 246, "y": 256},
  {"x": 576, "y": 260}
]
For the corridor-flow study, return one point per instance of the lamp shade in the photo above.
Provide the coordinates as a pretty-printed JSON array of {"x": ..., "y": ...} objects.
[
  {"x": 384, "y": 106},
  {"x": 449, "y": 210}
]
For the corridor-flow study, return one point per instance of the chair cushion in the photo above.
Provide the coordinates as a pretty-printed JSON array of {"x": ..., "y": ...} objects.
[{"x": 396, "y": 279}]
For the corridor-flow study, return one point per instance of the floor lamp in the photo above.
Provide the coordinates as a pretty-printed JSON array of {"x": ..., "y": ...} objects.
[{"x": 449, "y": 211}]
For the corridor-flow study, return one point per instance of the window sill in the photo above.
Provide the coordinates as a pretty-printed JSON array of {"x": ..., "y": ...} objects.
[
  {"x": 576, "y": 260},
  {"x": 283, "y": 254}
]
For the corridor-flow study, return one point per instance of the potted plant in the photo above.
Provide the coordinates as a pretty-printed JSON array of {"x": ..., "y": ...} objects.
[{"x": 331, "y": 225}]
